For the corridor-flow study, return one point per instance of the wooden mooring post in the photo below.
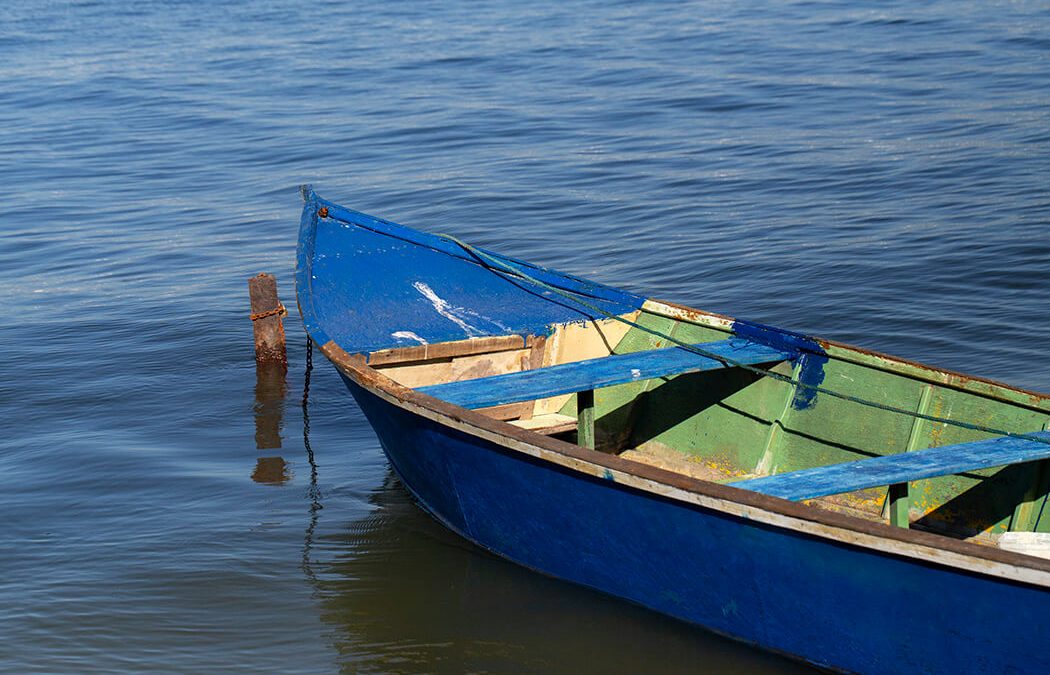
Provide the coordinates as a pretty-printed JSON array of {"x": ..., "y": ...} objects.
[
  {"x": 267, "y": 320},
  {"x": 271, "y": 363}
]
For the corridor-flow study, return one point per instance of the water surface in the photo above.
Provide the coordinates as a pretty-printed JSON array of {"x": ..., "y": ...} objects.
[{"x": 871, "y": 172}]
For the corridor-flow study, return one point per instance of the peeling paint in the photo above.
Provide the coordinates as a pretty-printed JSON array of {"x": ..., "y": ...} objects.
[
  {"x": 407, "y": 335},
  {"x": 442, "y": 307},
  {"x": 811, "y": 359},
  {"x": 494, "y": 322}
]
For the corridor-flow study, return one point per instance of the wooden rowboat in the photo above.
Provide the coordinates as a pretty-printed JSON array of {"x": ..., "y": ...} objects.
[{"x": 850, "y": 509}]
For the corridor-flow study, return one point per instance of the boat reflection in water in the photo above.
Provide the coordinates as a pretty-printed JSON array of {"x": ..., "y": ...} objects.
[{"x": 407, "y": 595}]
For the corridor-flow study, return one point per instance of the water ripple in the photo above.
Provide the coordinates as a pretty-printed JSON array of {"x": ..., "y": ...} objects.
[{"x": 872, "y": 174}]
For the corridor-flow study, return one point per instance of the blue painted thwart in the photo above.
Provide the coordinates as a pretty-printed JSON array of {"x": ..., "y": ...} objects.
[
  {"x": 824, "y": 588},
  {"x": 900, "y": 468},
  {"x": 569, "y": 378},
  {"x": 811, "y": 356}
]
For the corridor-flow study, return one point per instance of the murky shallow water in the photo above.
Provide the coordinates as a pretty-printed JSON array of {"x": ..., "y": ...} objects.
[{"x": 871, "y": 174}]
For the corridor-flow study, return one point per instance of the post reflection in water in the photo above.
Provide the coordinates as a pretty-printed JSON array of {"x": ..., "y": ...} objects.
[
  {"x": 271, "y": 470},
  {"x": 407, "y": 595},
  {"x": 270, "y": 390}
]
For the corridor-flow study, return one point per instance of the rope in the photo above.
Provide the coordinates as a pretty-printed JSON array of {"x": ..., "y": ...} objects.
[{"x": 488, "y": 261}]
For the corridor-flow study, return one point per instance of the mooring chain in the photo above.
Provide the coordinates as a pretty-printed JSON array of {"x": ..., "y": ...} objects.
[
  {"x": 280, "y": 310},
  {"x": 313, "y": 491}
]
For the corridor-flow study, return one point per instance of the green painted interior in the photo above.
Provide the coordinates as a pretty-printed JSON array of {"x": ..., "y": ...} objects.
[{"x": 738, "y": 423}]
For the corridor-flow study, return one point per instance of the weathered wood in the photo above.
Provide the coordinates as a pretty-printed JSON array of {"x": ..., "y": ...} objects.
[
  {"x": 547, "y": 424},
  {"x": 778, "y": 428},
  {"x": 267, "y": 314},
  {"x": 1029, "y": 508},
  {"x": 573, "y": 342},
  {"x": 900, "y": 468},
  {"x": 568, "y": 378},
  {"x": 448, "y": 350},
  {"x": 585, "y": 418},
  {"x": 538, "y": 346},
  {"x": 534, "y": 361},
  {"x": 425, "y": 373},
  {"x": 899, "y": 502},
  {"x": 503, "y": 412}
]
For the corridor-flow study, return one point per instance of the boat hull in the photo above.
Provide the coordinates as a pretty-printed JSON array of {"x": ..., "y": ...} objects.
[{"x": 827, "y": 602}]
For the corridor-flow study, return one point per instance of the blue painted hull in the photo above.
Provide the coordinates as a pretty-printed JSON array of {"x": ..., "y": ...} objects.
[
  {"x": 833, "y": 604},
  {"x": 834, "y": 590}
]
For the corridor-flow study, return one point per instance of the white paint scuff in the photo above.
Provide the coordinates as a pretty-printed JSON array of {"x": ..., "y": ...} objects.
[
  {"x": 442, "y": 307},
  {"x": 407, "y": 335}
]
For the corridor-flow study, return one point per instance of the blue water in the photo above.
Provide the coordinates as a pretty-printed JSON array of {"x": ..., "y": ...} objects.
[{"x": 871, "y": 172}]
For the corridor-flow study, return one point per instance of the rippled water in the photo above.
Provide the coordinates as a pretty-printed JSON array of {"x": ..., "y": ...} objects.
[{"x": 872, "y": 172}]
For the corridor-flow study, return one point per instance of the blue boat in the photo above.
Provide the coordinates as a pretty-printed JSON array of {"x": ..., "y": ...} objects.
[{"x": 852, "y": 510}]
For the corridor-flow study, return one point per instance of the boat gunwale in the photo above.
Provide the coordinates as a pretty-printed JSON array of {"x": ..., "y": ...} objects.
[
  {"x": 924, "y": 547},
  {"x": 890, "y": 363}
]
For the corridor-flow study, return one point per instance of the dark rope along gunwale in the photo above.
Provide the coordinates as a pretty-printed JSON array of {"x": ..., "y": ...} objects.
[
  {"x": 499, "y": 266},
  {"x": 486, "y": 259}
]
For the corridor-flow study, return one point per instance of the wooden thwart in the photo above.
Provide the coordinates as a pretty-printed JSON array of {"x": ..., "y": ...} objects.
[
  {"x": 583, "y": 377},
  {"x": 569, "y": 378},
  {"x": 900, "y": 469}
]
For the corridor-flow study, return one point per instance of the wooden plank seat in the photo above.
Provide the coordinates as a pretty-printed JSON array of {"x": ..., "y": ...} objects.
[
  {"x": 898, "y": 470},
  {"x": 583, "y": 377},
  {"x": 569, "y": 378}
]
